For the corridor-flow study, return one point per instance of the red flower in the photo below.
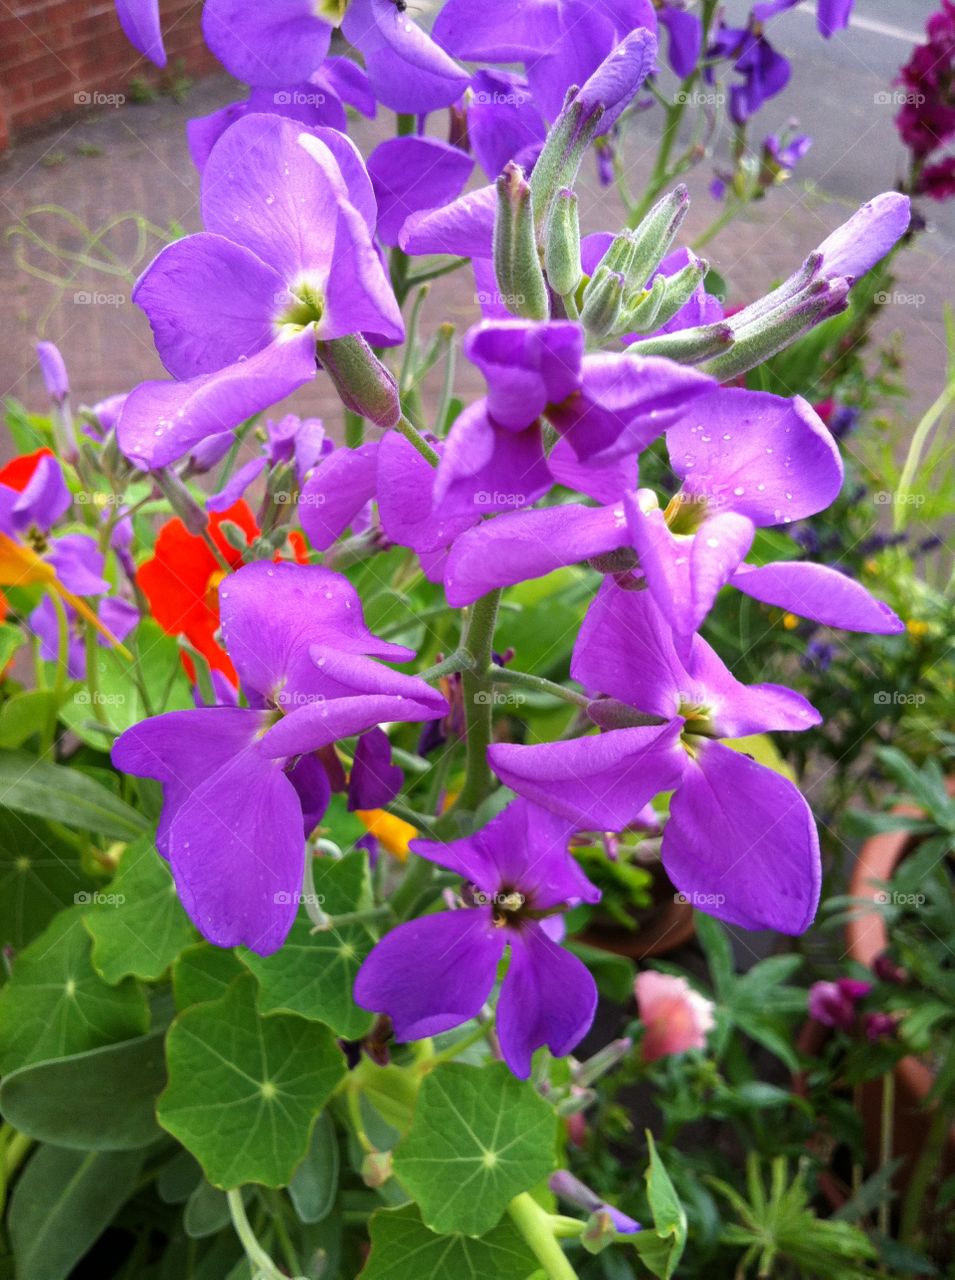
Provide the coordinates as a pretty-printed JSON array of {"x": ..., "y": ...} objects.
[
  {"x": 18, "y": 472},
  {"x": 181, "y": 583}
]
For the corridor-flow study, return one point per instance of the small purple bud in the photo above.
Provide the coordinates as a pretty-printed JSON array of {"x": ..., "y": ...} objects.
[{"x": 53, "y": 369}]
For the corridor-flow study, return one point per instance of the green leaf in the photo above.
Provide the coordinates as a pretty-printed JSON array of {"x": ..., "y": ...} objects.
[
  {"x": 101, "y": 1100},
  {"x": 206, "y": 1211},
  {"x": 11, "y": 638},
  {"x": 202, "y": 973},
  {"x": 715, "y": 942},
  {"x": 62, "y": 1202},
  {"x": 402, "y": 1248},
  {"x": 479, "y": 1137},
  {"x": 66, "y": 795},
  {"x": 314, "y": 1184},
  {"x": 138, "y": 925},
  {"x": 244, "y": 1089},
  {"x": 56, "y": 1004},
  {"x": 313, "y": 973},
  {"x": 662, "y": 1249},
  {"x": 24, "y": 714},
  {"x": 38, "y": 877}
]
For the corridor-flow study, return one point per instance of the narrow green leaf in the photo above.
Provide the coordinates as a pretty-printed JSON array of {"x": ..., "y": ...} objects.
[
  {"x": 62, "y": 1203},
  {"x": 101, "y": 1100},
  {"x": 314, "y": 1184},
  {"x": 46, "y": 790}
]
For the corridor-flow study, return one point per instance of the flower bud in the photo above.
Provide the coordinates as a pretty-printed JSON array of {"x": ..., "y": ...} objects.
[
  {"x": 603, "y": 301},
  {"x": 677, "y": 291},
  {"x": 53, "y": 370},
  {"x": 642, "y": 318},
  {"x": 655, "y": 234},
  {"x": 376, "y": 1169},
  {"x": 562, "y": 245},
  {"x": 517, "y": 265},
  {"x": 688, "y": 346},
  {"x": 363, "y": 383}
]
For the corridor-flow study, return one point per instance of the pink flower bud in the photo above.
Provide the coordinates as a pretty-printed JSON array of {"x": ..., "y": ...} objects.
[{"x": 675, "y": 1017}]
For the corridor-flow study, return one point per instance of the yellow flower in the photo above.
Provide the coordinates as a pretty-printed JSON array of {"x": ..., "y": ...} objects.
[
  {"x": 917, "y": 628},
  {"x": 790, "y": 621},
  {"x": 393, "y": 834}
]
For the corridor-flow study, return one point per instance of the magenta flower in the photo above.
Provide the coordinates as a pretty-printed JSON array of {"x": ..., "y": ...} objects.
[
  {"x": 287, "y": 259},
  {"x": 740, "y": 841},
  {"x": 834, "y": 1003},
  {"x": 242, "y": 786},
  {"x": 518, "y": 877}
]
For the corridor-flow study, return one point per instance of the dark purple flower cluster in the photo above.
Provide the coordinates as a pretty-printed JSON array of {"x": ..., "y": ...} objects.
[{"x": 926, "y": 118}]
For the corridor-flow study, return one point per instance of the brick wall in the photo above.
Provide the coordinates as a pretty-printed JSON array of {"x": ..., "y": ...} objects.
[{"x": 56, "y": 56}]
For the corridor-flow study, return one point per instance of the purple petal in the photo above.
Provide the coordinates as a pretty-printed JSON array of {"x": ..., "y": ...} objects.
[
  {"x": 625, "y": 402},
  {"x": 274, "y": 44},
  {"x": 272, "y": 614},
  {"x": 604, "y": 480},
  {"x": 359, "y": 297},
  {"x": 503, "y": 121},
  {"x": 867, "y": 236},
  {"x": 203, "y": 132},
  {"x": 78, "y": 562},
  {"x": 528, "y": 544},
  {"x": 350, "y": 82},
  {"x": 236, "y": 485},
  {"x": 410, "y": 174},
  {"x": 459, "y": 951},
  {"x": 767, "y": 458},
  {"x": 601, "y": 782},
  {"x": 162, "y": 421},
  {"x": 191, "y": 336},
  {"x": 464, "y": 228},
  {"x": 261, "y": 189},
  {"x": 43, "y": 500},
  {"x": 685, "y": 574},
  {"x": 527, "y": 365},
  {"x": 548, "y": 998},
  {"x": 374, "y": 780},
  {"x": 53, "y": 371},
  {"x": 738, "y": 710},
  {"x": 323, "y": 720},
  {"x": 616, "y": 80},
  {"x": 338, "y": 489},
  {"x": 485, "y": 469},
  {"x": 406, "y": 499},
  {"x": 741, "y": 843},
  {"x": 498, "y": 30},
  {"x": 237, "y": 852},
  {"x": 407, "y": 70},
  {"x": 832, "y": 16},
  {"x": 818, "y": 592},
  {"x": 686, "y": 39},
  {"x": 119, "y": 616},
  {"x": 310, "y": 780},
  {"x": 140, "y": 22}
]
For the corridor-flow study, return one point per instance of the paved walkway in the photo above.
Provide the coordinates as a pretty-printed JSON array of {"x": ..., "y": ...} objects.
[{"x": 117, "y": 166}]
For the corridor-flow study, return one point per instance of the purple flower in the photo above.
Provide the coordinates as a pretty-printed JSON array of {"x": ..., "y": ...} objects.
[
  {"x": 374, "y": 781},
  {"x": 740, "y": 841},
  {"x": 272, "y": 45},
  {"x": 833, "y": 1003},
  {"x": 560, "y": 42},
  {"x": 116, "y": 614},
  {"x": 140, "y": 22},
  {"x": 785, "y": 153},
  {"x": 242, "y": 786},
  {"x": 291, "y": 439},
  {"x": 503, "y": 122},
  {"x": 575, "y": 1192},
  {"x": 519, "y": 876},
  {"x": 288, "y": 258},
  {"x": 764, "y": 71},
  {"x": 53, "y": 370}
]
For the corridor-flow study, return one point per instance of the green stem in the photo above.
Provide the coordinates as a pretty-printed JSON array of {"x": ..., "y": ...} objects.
[
  {"x": 282, "y": 1235},
  {"x": 456, "y": 661},
  {"x": 416, "y": 880},
  {"x": 506, "y": 675},
  {"x": 534, "y": 1224},
  {"x": 913, "y": 1207},
  {"x": 62, "y": 671},
  {"x": 92, "y": 677},
  {"x": 414, "y": 437},
  {"x": 354, "y": 429},
  {"x": 259, "y": 1260},
  {"x": 14, "y": 1147},
  {"x": 887, "y": 1122},
  {"x": 448, "y": 1054},
  {"x": 914, "y": 455},
  {"x": 717, "y": 225},
  {"x": 478, "y": 703}
]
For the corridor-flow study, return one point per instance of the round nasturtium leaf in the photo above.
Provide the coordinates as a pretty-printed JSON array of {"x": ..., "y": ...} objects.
[
  {"x": 245, "y": 1088},
  {"x": 479, "y": 1137}
]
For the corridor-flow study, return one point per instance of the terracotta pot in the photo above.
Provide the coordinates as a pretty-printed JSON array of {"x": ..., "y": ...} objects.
[
  {"x": 867, "y": 937},
  {"x": 662, "y": 927}
]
